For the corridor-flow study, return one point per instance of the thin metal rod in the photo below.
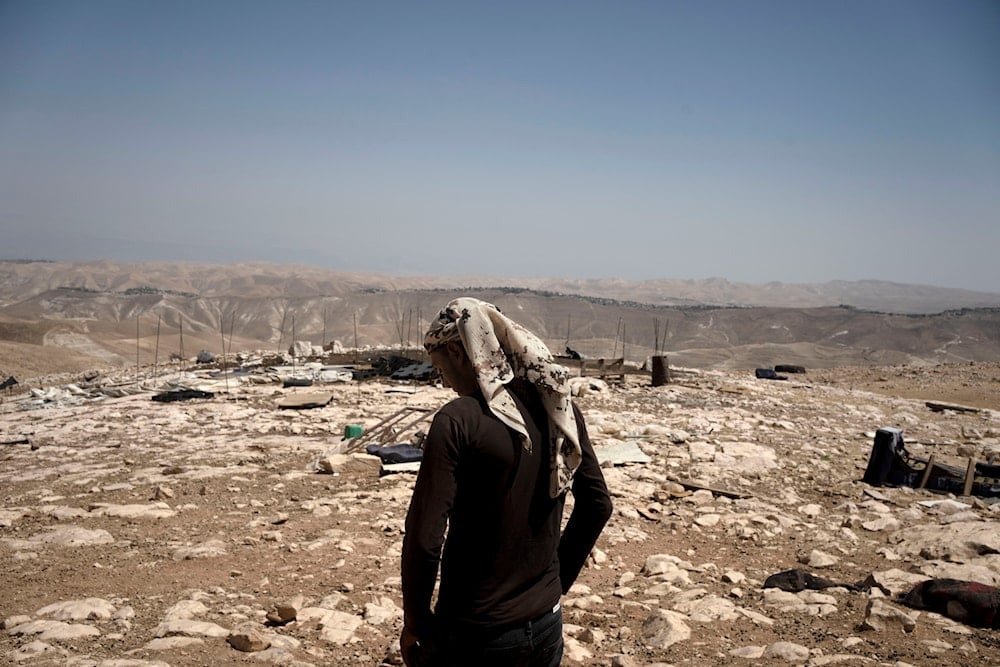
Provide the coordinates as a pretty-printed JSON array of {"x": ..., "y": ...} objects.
[
  {"x": 222, "y": 334},
  {"x": 356, "y": 338},
  {"x": 156, "y": 353}
]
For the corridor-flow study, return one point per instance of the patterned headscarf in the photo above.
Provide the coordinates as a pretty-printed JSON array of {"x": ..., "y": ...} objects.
[{"x": 501, "y": 350}]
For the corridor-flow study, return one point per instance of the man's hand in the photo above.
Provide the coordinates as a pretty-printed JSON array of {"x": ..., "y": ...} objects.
[{"x": 409, "y": 647}]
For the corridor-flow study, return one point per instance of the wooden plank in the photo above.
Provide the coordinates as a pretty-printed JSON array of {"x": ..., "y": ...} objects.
[
  {"x": 941, "y": 407},
  {"x": 970, "y": 476},
  {"x": 694, "y": 486},
  {"x": 927, "y": 472}
]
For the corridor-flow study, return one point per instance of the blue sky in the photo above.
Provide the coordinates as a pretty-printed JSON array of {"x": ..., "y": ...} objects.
[{"x": 759, "y": 141}]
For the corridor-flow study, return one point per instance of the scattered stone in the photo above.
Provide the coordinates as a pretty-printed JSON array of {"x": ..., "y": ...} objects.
[
  {"x": 285, "y": 612},
  {"x": 190, "y": 628},
  {"x": 209, "y": 549},
  {"x": 54, "y": 630},
  {"x": 248, "y": 640},
  {"x": 787, "y": 651},
  {"x": 185, "y": 610},
  {"x": 881, "y": 616},
  {"x": 175, "y": 643},
  {"x": 819, "y": 559},
  {"x": 38, "y": 649},
  {"x": 382, "y": 612},
  {"x": 63, "y": 536},
  {"x": 664, "y": 628},
  {"x": 748, "y": 652}
]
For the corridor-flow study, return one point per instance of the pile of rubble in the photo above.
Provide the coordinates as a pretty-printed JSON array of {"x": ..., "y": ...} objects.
[{"x": 204, "y": 532}]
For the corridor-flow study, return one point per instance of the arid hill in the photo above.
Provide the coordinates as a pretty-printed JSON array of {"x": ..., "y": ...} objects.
[{"x": 73, "y": 316}]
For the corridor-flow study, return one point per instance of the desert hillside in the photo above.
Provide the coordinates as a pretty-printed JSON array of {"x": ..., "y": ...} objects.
[{"x": 74, "y": 316}]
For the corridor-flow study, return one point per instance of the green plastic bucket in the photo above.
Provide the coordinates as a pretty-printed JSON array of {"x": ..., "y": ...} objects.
[{"x": 352, "y": 431}]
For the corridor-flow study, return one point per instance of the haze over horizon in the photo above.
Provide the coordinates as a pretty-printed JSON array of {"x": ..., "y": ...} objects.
[{"x": 774, "y": 141}]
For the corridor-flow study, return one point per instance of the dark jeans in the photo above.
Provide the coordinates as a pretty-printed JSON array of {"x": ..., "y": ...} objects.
[{"x": 537, "y": 643}]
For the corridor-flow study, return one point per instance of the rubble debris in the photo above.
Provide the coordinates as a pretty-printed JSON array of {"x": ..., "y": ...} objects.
[
  {"x": 205, "y": 357},
  {"x": 620, "y": 453},
  {"x": 397, "y": 368},
  {"x": 305, "y": 401},
  {"x": 303, "y": 348},
  {"x": 417, "y": 371},
  {"x": 890, "y": 464},
  {"x": 391, "y": 427},
  {"x": 241, "y": 476}
]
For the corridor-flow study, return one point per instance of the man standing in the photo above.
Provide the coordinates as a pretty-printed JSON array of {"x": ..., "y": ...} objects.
[{"x": 497, "y": 463}]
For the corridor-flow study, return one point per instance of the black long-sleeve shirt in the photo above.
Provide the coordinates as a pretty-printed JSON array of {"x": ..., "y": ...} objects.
[{"x": 504, "y": 561}]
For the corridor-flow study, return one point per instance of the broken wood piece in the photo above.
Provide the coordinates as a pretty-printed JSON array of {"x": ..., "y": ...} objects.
[
  {"x": 970, "y": 477},
  {"x": 927, "y": 472},
  {"x": 646, "y": 514},
  {"x": 398, "y": 422},
  {"x": 941, "y": 407},
  {"x": 693, "y": 486},
  {"x": 15, "y": 441}
]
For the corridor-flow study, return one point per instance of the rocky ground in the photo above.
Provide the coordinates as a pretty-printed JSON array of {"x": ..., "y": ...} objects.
[{"x": 229, "y": 531}]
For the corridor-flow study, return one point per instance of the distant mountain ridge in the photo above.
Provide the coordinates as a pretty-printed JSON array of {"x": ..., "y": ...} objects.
[
  {"x": 57, "y": 317},
  {"x": 23, "y": 279}
]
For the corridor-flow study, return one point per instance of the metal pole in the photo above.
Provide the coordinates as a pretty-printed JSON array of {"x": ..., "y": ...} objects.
[
  {"x": 222, "y": 334},
  {"x": 156, "y": 354}
]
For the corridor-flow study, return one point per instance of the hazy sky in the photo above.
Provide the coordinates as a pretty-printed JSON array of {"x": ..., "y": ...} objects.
[{"x": 757, "y": 141}]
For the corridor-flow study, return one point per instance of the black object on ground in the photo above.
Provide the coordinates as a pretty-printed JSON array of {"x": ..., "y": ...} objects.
[
  {"x": 890, "y": 464},
  {"x": 797, "y": 580},
  {"x": 401, "y": 453},
  {"x": 970, "y": 602},
  {"x": 181, "y": 395}
]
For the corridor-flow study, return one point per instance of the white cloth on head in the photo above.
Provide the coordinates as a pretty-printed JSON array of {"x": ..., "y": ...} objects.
[{"x": 501, "y": 350}]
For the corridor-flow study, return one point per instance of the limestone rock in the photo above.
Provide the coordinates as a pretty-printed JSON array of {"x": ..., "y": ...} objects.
[
  {"x": 190, "y": 628},
  {"x": 248, "y": 640},
  {"x": 881, "y": 616},
  {"x": 208, "y": 549},
  {"x": 664, "y": 628},
  {"x": 787, "y": 651},
  {"x": 63, "y": 536},
  {"x": 78, "y": 610},
  {"x": 285, "y": 612}
]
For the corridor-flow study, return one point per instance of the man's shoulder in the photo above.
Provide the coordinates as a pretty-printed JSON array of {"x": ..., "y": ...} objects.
[{"x": 463, "y": 406}]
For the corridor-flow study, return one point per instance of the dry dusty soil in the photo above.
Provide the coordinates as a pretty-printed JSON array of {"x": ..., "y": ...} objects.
[{"x": 164, "y": 528}]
